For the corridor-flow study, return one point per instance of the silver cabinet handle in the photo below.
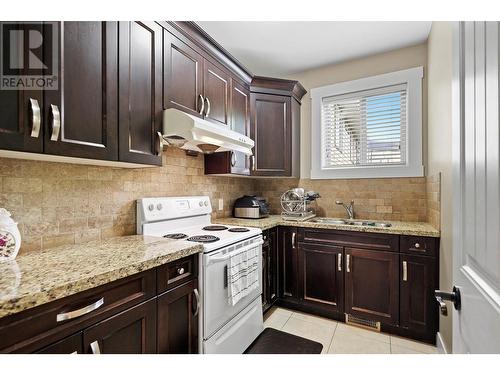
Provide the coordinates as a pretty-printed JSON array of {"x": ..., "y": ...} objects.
[
  {"x": 94, "y": 346},
  {"x": 347, "y": 263},
  {"x": 197, "y": 296},
  {"x": 180, "y": 271},
  {"x": 233, "y": 159},
  {"x": 202, "y": 104},
  {"x": 253, "y": 163},
  {"x": 208, "y": 107},
  {"x": 56, "y": 122},
  {"x": 405, "y": 270},
  {"x": 417, "y": 245},
  {"x": 293, "y": 240},
  {"x": 76, "y": 313},
  {"x": 36, "y": 118},
  {"x": 160, "y": 143},
  {"x": 339, "y": 261}
]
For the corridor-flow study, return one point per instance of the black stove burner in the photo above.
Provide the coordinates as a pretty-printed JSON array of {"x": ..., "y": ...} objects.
[
  {"x": 176, "y": 236},
  {"x": 239, "y": 229},
  {"x": 204, "y": 238},
  {"x": 215, "y": 227}
]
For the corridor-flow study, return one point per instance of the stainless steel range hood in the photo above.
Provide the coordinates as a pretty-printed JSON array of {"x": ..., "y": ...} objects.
[{"x": 192, "y": 133}]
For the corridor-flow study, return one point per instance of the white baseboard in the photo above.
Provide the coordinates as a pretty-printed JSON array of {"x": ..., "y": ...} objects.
[{"x": 441, "y": 346}]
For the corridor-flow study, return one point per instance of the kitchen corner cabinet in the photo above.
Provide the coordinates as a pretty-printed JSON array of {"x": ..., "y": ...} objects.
[{"x": 275, "y": 126}]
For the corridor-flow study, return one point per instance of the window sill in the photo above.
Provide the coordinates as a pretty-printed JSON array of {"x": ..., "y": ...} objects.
[{"x": 367, "y": 172}]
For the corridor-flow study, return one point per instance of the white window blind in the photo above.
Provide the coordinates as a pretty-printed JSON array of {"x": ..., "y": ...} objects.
[{"x": 364, "y": 128}]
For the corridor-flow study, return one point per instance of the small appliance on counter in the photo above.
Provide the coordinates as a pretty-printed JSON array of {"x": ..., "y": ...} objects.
[
  {"x": 250, "y": 207},
  {"x": 295, "y": 204}
]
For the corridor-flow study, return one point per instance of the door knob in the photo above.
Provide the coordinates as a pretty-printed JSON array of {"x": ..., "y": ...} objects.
[{"x": 454, "y": 297}]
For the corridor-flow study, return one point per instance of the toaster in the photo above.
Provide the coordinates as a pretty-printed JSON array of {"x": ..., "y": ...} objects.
[{"x": 250, "y": 207}]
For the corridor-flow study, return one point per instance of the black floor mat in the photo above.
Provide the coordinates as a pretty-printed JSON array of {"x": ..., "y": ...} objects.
[{"x": 272, "y": 341}]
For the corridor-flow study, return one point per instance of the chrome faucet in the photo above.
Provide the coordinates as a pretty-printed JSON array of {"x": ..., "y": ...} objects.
[{"x": 349, "y": 209}]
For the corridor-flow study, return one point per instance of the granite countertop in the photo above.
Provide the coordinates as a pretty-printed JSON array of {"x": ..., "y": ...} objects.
[
  {"x": 40, "y": 277},
  {"x": 397, "y": 227}
]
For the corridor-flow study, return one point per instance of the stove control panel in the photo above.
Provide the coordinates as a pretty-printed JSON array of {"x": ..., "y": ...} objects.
[{"x": 167, "y": 208}]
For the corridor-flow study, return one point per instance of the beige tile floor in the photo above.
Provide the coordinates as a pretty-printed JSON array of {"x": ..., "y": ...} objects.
[{"x": 340, "y": 338}]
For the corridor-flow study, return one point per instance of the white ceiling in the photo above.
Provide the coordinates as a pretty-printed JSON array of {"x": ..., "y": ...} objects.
[{"x": 282, "y": 48}]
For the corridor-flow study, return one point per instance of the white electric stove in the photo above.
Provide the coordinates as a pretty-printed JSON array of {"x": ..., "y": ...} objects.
[{"x": 225, "y": 328}]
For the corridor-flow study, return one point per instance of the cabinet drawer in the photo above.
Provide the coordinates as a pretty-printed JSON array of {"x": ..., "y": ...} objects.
[
  {"x": 419, "y": 245},
  {"x": 33, "y": 329},
  {"x": 173, "y": 274},
  {"x": 374, "y": 241}
]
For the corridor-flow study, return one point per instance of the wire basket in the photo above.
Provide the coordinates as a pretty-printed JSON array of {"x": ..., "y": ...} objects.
[{"x": 294, "y": 201}]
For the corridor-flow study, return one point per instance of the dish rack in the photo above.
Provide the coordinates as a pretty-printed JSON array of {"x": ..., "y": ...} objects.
[{"x": 296, "y": 204}]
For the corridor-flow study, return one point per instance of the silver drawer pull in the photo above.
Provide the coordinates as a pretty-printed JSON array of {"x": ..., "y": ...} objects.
[
  {"x": 347, "y": 263},
  {"x": 180, "y": 271},
  {"x": 160, "y": 143},
  {"x": 339, "y": 261},
  {"x": 35, "y": 118},
  {"x": 76, "y": 313},
  {"x": 417, "y": 245},
  {"x": 56, "y": 122},
  {"x": 202, "y": 104},
  {"x": 208, "y": 107},
  {"x": 94, "y": 346},
  {"x": 405, "y": 270},
  {"x": 197, "y": 296}
]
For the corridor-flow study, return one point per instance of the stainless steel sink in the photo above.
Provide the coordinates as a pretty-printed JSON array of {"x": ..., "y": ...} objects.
[{"x": 367, "y": 223}]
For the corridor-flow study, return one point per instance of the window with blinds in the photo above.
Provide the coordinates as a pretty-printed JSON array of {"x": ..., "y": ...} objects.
[{"x": 364, "y": 128}]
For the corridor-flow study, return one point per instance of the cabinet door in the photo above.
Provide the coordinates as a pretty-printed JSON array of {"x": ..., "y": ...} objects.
[
  {"x": 265, "y": 274},
  {"x": 81, "y": 117},
  {"x": 273, "y": 265},
  {"x": 418, "y": 308},
  {"x": 270, "y": 129},
  {"x": 130, "y": 332},
  {"x": 182, "y": 76},
  {"x": 140, "y": 92},
  {"x": 216, "y": 93},
  {"x": 178, "y": 320},
  {"x": 69, "y": 345},
  {"x": 372, "y": 285},
  {"x": 21, "y": 116},
  {"x": 288, "y": 263},
  {"x": 321, "y": 276}
]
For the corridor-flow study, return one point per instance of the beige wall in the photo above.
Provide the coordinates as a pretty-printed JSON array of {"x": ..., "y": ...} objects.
[
  {"x": 59, "y": 203},
  {"x": 391, "y": 61},
  {"x": 439, "y": 80}
]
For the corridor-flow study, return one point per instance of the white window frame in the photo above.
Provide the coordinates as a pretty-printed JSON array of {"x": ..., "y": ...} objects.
[{"x": 413, "y": 167}]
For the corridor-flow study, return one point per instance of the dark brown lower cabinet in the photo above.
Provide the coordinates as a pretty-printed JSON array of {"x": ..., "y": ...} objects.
[
  {"x": 372, "y": 285},
  {"x": 178, "y": 319},
  {"x": 288, "y": 256},
  {"x": 321, "y": 276},
  {"x": 70, "y": 345},
  {"x": 418, "y": 313},
  {"x": 269, "y": 268},
  {"x": 130, "y": 332}
]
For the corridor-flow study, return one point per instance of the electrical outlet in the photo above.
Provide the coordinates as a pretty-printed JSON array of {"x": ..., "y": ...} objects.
[{"x": 221, "y": 204}]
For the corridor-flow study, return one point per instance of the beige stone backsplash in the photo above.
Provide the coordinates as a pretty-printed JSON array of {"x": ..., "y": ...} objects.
[{"x": 58, "y": 203}]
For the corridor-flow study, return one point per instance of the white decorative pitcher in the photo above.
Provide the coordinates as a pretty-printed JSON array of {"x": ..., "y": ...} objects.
[{"x": 10, "y": 237}]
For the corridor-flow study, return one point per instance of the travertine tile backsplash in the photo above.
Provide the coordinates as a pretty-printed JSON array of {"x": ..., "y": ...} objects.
[
  {"x": 59, "y": 203},
  {"x": 377, "y": 199}
]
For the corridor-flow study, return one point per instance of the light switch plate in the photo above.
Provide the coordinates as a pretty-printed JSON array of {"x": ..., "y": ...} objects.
[{"x": 221, "y": 204}]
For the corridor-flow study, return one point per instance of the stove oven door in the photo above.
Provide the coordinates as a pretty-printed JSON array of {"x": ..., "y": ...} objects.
[{"x": 217, "y": 310}]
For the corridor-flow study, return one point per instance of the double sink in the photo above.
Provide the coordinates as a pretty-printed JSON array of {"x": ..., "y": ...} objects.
[{"x": 365, "y": 223}]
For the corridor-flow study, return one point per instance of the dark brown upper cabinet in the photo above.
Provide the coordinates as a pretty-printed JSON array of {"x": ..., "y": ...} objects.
[
  {"x": 140, "y": 92},
  {"x": 21, "y": 113},
  {"x": 321, "y": 276},
  {"x": 182, "y": 76},
  {"x": 216, "y": 93},
  {"x": 372, "y": 285},
  {"x": 275, "y": 126},
  {"x": 81, "y": 117},
  {"x": 233, "y": 162}
]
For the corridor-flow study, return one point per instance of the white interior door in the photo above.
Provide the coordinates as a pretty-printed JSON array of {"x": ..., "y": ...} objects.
[{"x": 476, "y": 326}]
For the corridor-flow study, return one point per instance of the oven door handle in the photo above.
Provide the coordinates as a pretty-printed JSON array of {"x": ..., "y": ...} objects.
[{"x": 215, "y": 259}]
